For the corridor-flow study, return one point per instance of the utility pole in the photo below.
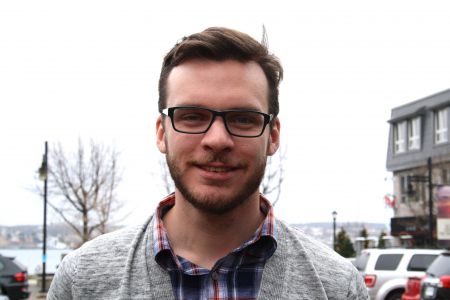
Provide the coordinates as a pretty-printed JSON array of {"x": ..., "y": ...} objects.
[
  {"x": 43, "y": 175},
  {"x": 430, "y": 201},
  {"x": 334, "y": 214}
]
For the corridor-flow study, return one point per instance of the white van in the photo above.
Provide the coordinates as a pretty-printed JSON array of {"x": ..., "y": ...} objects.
[{"x": 386, "y": 271}]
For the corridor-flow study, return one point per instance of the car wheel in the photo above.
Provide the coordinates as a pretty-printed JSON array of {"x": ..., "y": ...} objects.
[{"x": 397, "y": 295}]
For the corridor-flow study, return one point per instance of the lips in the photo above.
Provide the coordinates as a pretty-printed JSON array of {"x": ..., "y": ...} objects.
[{"x": 216, "y": 169}]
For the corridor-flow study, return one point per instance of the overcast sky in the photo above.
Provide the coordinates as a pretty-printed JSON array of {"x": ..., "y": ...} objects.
[{"x": 89, "y": 69}]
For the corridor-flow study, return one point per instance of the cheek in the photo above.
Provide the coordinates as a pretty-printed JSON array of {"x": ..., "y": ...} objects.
[
  {"x": 177, "y": 144},
  {"x": 253, "y": 151}
]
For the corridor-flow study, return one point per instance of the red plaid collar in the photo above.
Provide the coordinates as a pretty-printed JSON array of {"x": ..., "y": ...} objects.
[{"x": 161, "y": 241}]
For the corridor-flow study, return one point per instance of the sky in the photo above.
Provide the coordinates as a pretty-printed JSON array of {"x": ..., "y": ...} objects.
[{"x": 89, "y": 70}]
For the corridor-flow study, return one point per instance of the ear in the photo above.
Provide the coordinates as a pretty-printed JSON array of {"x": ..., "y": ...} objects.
[
  {"x": 160, "y": 135},
  {"x": 274, "y": 138}
]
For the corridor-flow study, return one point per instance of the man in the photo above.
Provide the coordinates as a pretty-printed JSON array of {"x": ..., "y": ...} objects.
[{"x": 216, "y": 236}]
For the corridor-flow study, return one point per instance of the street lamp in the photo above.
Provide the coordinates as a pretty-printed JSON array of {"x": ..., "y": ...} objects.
[
  {"x": 43, "y": 175},
  {"x": 411, "y": 192},
  {"x": 334, "y": 214}
]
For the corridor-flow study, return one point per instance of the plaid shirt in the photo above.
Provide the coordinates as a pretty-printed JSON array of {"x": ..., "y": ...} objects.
[{"x": 236, "y": 276}]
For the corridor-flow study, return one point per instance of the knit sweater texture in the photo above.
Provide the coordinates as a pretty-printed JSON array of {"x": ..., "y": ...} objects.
[{"x": 121, "y": 265}]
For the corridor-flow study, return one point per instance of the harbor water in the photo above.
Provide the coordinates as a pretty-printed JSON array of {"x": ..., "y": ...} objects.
[{"x": 32, "y": 258}]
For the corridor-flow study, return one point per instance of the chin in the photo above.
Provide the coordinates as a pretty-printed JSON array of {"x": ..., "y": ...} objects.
[{"x": 213, "y": 202}]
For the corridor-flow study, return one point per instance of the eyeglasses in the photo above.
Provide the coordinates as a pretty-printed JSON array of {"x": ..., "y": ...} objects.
[{"x": 238, "y": 122}]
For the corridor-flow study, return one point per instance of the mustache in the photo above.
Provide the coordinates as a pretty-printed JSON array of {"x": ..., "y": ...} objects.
[{"x": 216, "y": 158}]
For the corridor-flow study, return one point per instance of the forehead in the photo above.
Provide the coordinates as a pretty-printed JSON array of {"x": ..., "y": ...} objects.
[{"x": 218, "y": 84}]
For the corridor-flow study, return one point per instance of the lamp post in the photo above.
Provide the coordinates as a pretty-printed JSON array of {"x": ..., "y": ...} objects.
[
  {"x": 43, "y": 174},
  {"x": 334, "y": 214},
  {"x": 411, "y": 192}
]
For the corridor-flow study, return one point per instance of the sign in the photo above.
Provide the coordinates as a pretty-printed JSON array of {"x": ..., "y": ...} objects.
[
  {"x": 443, "y": 216},
  {"x": 443, "y": 228},
  {"x": 416, "y": 226}
]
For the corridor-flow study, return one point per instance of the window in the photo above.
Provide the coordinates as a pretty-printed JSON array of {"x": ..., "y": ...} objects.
[
  {"x": 361, "y": 261},
  {"x": 399, "y": 137},
  {"x": 420, "y": 262},
  {"x": 403, "y": 188},
  {"x": 440, "y": 126},
  {"x": 414, "y": 133},
  {"x": 445, "y": 176},
  {"x": 388, "y": 262},
  {"x": 441, "y": 266}
]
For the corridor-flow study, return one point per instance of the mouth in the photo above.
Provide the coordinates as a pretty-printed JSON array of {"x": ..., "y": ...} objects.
[{"x": 216, "y": 169}]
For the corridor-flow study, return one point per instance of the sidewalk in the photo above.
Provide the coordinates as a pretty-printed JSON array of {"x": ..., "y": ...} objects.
[{"x": 35, "y": 290}]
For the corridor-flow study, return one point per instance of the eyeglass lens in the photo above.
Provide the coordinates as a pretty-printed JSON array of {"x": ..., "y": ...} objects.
[{"x": 198, "y": 120}]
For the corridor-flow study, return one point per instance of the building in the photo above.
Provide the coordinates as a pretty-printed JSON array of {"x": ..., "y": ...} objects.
[{"x": 419, "y": 147}]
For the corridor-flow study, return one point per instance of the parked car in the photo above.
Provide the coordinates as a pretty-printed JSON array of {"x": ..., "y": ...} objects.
[
  {"x": 386, "y": 271},
  {"x": 13, "y": 279},
  {"x": 412, "y": 288},
  {"x": 3, "y": 297},
  {"x": 436, "y": 284}
]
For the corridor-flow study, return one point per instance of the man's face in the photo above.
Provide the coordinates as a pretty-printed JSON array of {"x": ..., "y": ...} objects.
[{"x": 214, "y": 171}]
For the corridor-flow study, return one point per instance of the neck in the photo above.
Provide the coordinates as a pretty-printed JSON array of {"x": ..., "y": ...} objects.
[{"x": 204, "y": 238}]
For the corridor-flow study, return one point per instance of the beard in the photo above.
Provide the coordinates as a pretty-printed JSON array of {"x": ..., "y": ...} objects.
[{"x": 216, "y": 203}]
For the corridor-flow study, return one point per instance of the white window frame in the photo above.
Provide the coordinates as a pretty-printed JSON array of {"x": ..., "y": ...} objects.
[
  {"x": 441, "y": 126},
  {"x": 400, "y": 137},
  {"x": 414, "y": 133}
]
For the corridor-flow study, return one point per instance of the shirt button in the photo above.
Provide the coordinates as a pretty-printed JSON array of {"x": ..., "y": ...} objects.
[{"x": 215, "y": 275}]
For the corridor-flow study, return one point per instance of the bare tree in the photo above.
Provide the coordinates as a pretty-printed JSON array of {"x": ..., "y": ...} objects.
[
  {"x": 274, "y": 176},
  {"x": 84, "y": 188},
  {"x": 167, "y": 182}
]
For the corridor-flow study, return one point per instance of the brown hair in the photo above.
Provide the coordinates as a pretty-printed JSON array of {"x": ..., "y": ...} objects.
[{"x": 217, "y": 43}]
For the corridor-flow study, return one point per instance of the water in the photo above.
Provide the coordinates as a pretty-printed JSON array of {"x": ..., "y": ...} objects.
[{"x": 32, "y": 258}]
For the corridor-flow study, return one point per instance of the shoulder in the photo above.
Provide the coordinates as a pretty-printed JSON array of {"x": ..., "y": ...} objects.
[
  {"x": 98, "y": 264},
  {"x": 315, "y": 250},
  {"x": 337, "y": 274},
  {"x": 111, "y": 244}
]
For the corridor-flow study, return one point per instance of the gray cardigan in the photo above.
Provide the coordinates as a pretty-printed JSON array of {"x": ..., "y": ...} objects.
[{"x": 120, "y": 265}]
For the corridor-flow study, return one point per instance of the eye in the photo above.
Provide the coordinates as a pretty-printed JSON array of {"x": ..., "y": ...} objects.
[
  {"x": 245, "y": 119},
  {"x": 192, "y": 115}
]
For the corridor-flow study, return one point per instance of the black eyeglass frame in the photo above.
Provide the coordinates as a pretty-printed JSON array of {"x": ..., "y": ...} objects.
[{"x": 169, "y": 111}]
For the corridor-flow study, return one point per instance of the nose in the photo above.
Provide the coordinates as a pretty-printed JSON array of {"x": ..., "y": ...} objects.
[{"x": 217, "y": 137}]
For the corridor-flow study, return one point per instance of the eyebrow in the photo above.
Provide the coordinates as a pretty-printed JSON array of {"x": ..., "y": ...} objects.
[{"x": 230, "y": 108}]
